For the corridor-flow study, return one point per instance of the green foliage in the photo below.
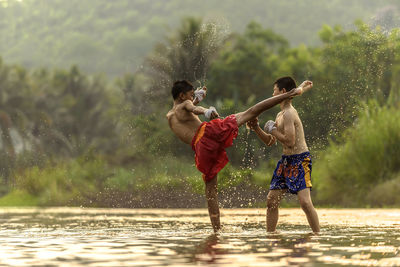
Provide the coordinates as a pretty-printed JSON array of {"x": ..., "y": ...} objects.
[
  {"x": 229, "y": 177},
  {"x": 248, "y": 62},
  {"x": 263, "y": 174},
  {"x": 67, "y": 138},
  {"x": 163, "y": 172},
  {"x": 121, "y": 180},
  {"x": 64, "y": 183},
  {"x": 19, "y": 198},
  {"x": 365, "y": 160},
  {"x": 91, "y": 181},
  {"x": 186, "y": 54},
  {"x": 355, "y": 65},
  {"x": 385, "y": 194},
  {"x": 83, "y": 111}
]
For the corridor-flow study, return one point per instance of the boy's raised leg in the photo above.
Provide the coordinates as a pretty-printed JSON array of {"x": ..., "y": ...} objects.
[
  {"x": 268, "y": 103},
  {"x": 212, "y": 203},
  {"x": 306, "y": 204}
]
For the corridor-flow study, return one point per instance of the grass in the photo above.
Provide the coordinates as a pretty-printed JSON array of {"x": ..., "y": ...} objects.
[
  {"x": 19, "y": 198},
  {"x": 364, "y": 162}
]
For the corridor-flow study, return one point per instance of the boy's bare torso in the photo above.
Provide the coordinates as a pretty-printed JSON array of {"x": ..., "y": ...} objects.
[
  {"x": 300, "y": 145},
  {"x": 183, "y": 123}
]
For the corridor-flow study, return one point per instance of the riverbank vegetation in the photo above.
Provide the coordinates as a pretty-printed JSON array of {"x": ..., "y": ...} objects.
[{"x": 80, "y": 139}]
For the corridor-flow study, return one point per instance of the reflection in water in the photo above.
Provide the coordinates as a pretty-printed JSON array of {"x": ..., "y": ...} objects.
[
  {"x": 115, "y": 237},
  {"x": 294, "y": 246},
  {"x": 208, "y": 249}
]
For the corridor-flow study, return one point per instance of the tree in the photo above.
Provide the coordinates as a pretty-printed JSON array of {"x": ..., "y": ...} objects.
[
  {"x": 80, "y": 114},
  {"x": 356, "y": 65},
  {"x": 16, "y": 117},
  {"x": 246, "y": 65},
  {"x": 186, "y": 54}
]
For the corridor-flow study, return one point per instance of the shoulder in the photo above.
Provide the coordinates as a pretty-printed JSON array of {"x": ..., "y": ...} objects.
[
  {"x": 185, "y": 104},
  {"x": 290, "y": 114}
]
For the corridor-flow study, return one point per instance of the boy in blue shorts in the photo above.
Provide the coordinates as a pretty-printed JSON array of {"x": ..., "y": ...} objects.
[{"x": 293, "y": 171}]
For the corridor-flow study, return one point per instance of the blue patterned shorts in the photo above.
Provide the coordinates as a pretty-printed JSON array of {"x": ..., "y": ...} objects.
[{"x": 293, "y": 172}]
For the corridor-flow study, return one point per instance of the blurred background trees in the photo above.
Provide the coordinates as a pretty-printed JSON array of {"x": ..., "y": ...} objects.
[
  {"x": 73, "y": 137},
  {"x": 115, "y": 37}
]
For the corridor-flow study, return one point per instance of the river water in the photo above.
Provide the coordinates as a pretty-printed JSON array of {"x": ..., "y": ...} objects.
[{"x": 180, "y": 237}]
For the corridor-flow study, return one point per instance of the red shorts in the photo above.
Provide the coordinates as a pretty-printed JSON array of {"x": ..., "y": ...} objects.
[{"x": 209, "y": 145}]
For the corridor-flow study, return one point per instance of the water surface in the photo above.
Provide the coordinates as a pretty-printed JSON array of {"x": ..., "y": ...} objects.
[{"x": 151, "y": 237}]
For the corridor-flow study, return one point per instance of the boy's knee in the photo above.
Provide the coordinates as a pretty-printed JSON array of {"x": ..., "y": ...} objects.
[
  {"x": 212, "y": 182},
  {"x": 306, "y": 205},
  {"x": 272, "y": 203},
  {"x": 211, "y": 190}
]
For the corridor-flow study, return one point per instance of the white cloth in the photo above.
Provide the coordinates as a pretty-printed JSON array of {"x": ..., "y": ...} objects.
[
  {"x": 208, "y": 112},
  {"x": 269, "y": 126},
  {"x": 199, "y": 94}
]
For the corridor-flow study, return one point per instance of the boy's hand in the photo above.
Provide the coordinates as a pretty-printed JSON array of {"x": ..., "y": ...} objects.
[
  {"x": 252, "y": 124},
  {"x": 272, "y": 141},
  {"x": 199, "y": 94},
  {"x": 269, "y": 126},
  {"x": 214, "y": 115},
  {"x": 211, "y": 113}
]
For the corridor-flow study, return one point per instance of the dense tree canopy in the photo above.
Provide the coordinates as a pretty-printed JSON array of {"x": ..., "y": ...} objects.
[{"x": 114, "y": 36}]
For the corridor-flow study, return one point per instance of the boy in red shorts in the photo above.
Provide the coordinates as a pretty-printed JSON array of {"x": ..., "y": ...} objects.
[
  {"x": 209, "y": 139},
  {"x": 293, "y": 171}
]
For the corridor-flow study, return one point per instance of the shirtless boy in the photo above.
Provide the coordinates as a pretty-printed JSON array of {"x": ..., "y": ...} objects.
[
  {"x": 209, "y": 139},
  {"x": 293, "y": 171}
]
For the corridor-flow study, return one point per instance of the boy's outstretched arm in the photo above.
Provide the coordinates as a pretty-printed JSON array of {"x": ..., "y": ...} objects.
[{"x": 257, "y": 109}]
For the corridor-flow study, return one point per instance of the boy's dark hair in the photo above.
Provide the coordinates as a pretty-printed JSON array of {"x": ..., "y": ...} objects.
[
  {"x": 285, "y": 82},
  {"x": 181, "y": 87}
]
